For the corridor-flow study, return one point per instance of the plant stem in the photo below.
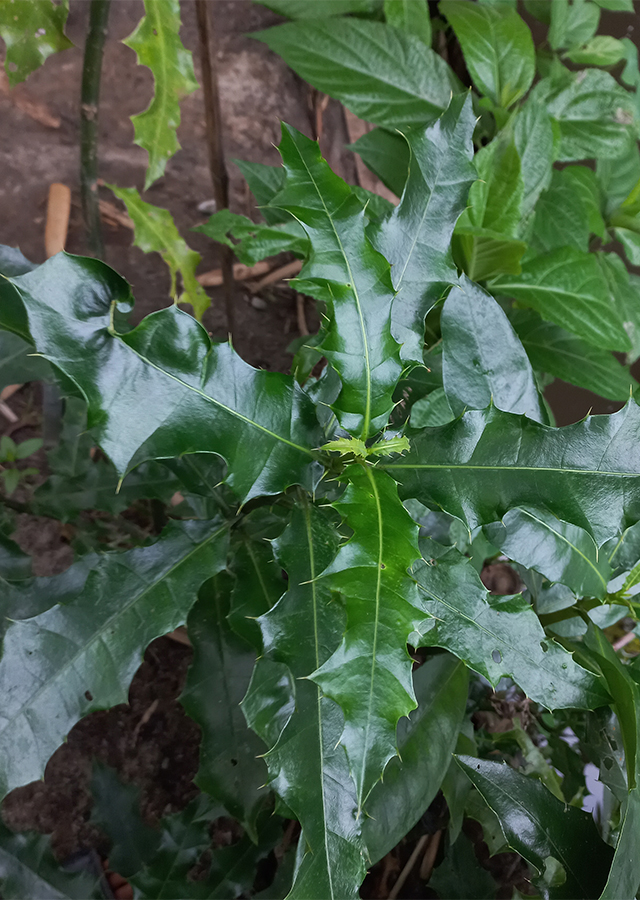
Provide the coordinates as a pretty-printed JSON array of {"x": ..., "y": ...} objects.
[
  {"x": 90, "y": 97},
  {"x": 213, "y": 122}
]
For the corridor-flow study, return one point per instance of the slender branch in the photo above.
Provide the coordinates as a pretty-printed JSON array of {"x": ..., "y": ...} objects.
[
  {"x": 213, "y": 122},
  {"x": 90, "y": 97}
]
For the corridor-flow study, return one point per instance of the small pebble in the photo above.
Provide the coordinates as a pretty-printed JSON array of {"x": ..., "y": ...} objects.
[
  {"x": 259, "y": 303},
  {"x": 207, "y": 206}
]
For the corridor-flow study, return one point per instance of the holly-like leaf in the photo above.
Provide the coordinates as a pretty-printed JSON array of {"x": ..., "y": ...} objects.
[
  {"x": 17, "y": 366},
  {"x": 486, "y": 462},
  {"x": 231, "y": 769},
  {"x": 157, "y": 44},
  {"x": 14, "y": 262},
  {"x": 416, "y": 238},
  {"x": 460, "y": 875},
  {"x": 567, "y": 287},
  {"x": 558, "y": 550},
  {"x": 155, "y": 231},
  {"x": 346, "y": 272},
  {"x": 28, "y": 868},
  {"x": 308, "y": 766},
  {"x": 260, "y": 422},
  {"x": 497, "y": 46},
  {"x": 32, "y": 30},
  {"x": 383, "y": 75},
  {"x": 499, "y": 636},
  {"x": 483, "y": 361},
  {"x": 425, "y": 742},
  {"x": 538, "y": 826},
  {"x": 81, "y": 655},
  {"x": 252, "y": 242},
  {"x": 556, "y": 351},
  {"x": 369, "y": 674}
]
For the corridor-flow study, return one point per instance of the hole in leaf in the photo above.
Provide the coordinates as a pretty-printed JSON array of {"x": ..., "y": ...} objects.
[
  {"x": 234, "y": 762},
  {"x": 382, "y": 566},
  {"x": 544, "y": 646},
  {"x": 496, "y": 656},
  {"x": 608, "y": 762}
]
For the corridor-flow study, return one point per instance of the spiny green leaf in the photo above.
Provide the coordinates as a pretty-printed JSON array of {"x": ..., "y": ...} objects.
[
  {"x": 231, "y": 769},
  {"x": 425, "y": 742},
  {"x": 381, "y": 74},
  {"x": 499, "y": 636},
  {"x": 486, "y": 462},
  {"x": 537, "y": 825},
  {"x": 81, "y": 655},
  {"x": 352, "y": 278},
  {"x": 157, "y": 45},
  {"x": 28, "y": 868},
  {"x": 567, "y": 287},
  {"x": 558, "y": 550},
  {"x": 483, "y": 361},
  {"x": 497, "y": 46},
  {"x": 415, "y": 239},
  {"x": 32, "y": 31},
  {"x": 156, "y": 231},
  {"x": 460, "y": 875},
  {"x": 369, "y": 674},
  {"x": 253, "y": 242},
  {"x": 260, "y": 422},
  {"x": 16, "y": 364},
  {"x": 308, "y": 766}
]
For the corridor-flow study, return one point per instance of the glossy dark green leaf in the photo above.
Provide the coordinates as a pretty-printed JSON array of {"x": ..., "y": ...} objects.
[
  {"x": 534, "y": 141},
  {"x": 369, "y": 674},
  {"x": 116, "y": 810},
  {"x": 499, "y": 636},
  {"x": 497, "y": 46},
  {"x": 495, "y": 198},
  {"x": 32, "y": 31},
  {"x": 252, "y": 242},
  {"x": 231, "y": 769},
  {"x": 558, "y": 550},
  {"x": 308, "y": 766},
  {"x": 538, "y": 825},
  {"x": 483, "y": 361},
  {"x": 556, "y": 351},
  {"x": 567, "y": 287},
  {"x": 302, "y": 9},
  {"x": 381, "y": 74},
  {"x": 482, "y": 253},
  {"x": 353, "y": 278},
  {"x": 81, "y": 655},
  {"x": 25, "y": 597},
  {"x": 485, "y": 463},
  {"x": 425, "y": 743},
  {"x": 460, "y": 875},
  {"x": 28, "y": 868},
  {"x": 431, "y": 410},
  {"x": 265, "y": 182},
  {"x": 17, "y": 366},
  {"x": 387, "y": 155},
  {"x": 184, "y": 379},
  {"x": 411, "y": 16},
  {"x": 415, "y": 238},
  {"x": 14, "y": 262}
]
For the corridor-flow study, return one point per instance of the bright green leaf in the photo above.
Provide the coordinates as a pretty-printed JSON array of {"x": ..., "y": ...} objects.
[
  {"x": 561, "y": 218},
  {"x": 533, "y": 138},
  {"x": 252, "y": 242},
  {"x": 573, "y": 22},
  {"x": 602, "y": 50},
  {"x": 411, "y": 16},
  {"x": 32, "y": 30}
]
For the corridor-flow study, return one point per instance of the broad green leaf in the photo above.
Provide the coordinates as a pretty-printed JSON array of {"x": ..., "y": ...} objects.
[
  {"x": 483, "y": 361},
  {"x": 556, "y": 351},
  {"x": 81, "y": 655},
  {"x": 497, "y": 46},
  {"x": 567, "y": 287},
  {"x": 533, "y": 138},
  {"x": 32, "y": 30},
  {"x": 624, "y": 294},
  {"x": 369, "y": 674},
  {"x": 460, "y": 875},
  {"x": 618, "y": 176},
  {"x": 572, "y": 23},
  {"x": 388, "y": 156},
  {"x": 252, "y": 242},
  {"x": 495, "y": 197},
  {"x": 485, "y": 463},
  {"x": 482, "y": 253},
  {"x": 116, "y": 811},
  {"x": 499, "y": 636},
  {"x": 415, "y": 238},
  {"x": 381, "y": 74},
  {"x": 411, "y": 16},
  {"x": 353, "y": 278},
  {"x": 431, "y": 410},
  {"x": 593, "y": 113},
  {"x": 538, "y": 825},
  {"x": 302, "y": 9},
  {"x": 558, "y": 550},
  {"x": 616, "y": 5},
  {"x": 602, "y": 50},
  {"x": 231, "y": 769},
  {"x": 425, "y": 742},
  {"x": 624, "y": 877},
  {"x": 561, "y": 218},
  {"x": 584, "y": 180},
  {"x": 28, "y": 868},
  {"x": 17, "y": 366},
  {"x": 308, "y": 766},
  {"x": 157, "y": 44},
  {"x": 156, "y": 231},
  {"x": 630, "y": 241},
  {"x": 184, "y": 378}
]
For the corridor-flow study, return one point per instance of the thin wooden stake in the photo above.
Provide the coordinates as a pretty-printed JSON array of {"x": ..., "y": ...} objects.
[
  {"x": 213, "y": 123},
  {"x": 58, "y": 209}
]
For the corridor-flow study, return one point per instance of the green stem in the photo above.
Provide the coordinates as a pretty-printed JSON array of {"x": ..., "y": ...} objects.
[{"x": 90, "y": 97}]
